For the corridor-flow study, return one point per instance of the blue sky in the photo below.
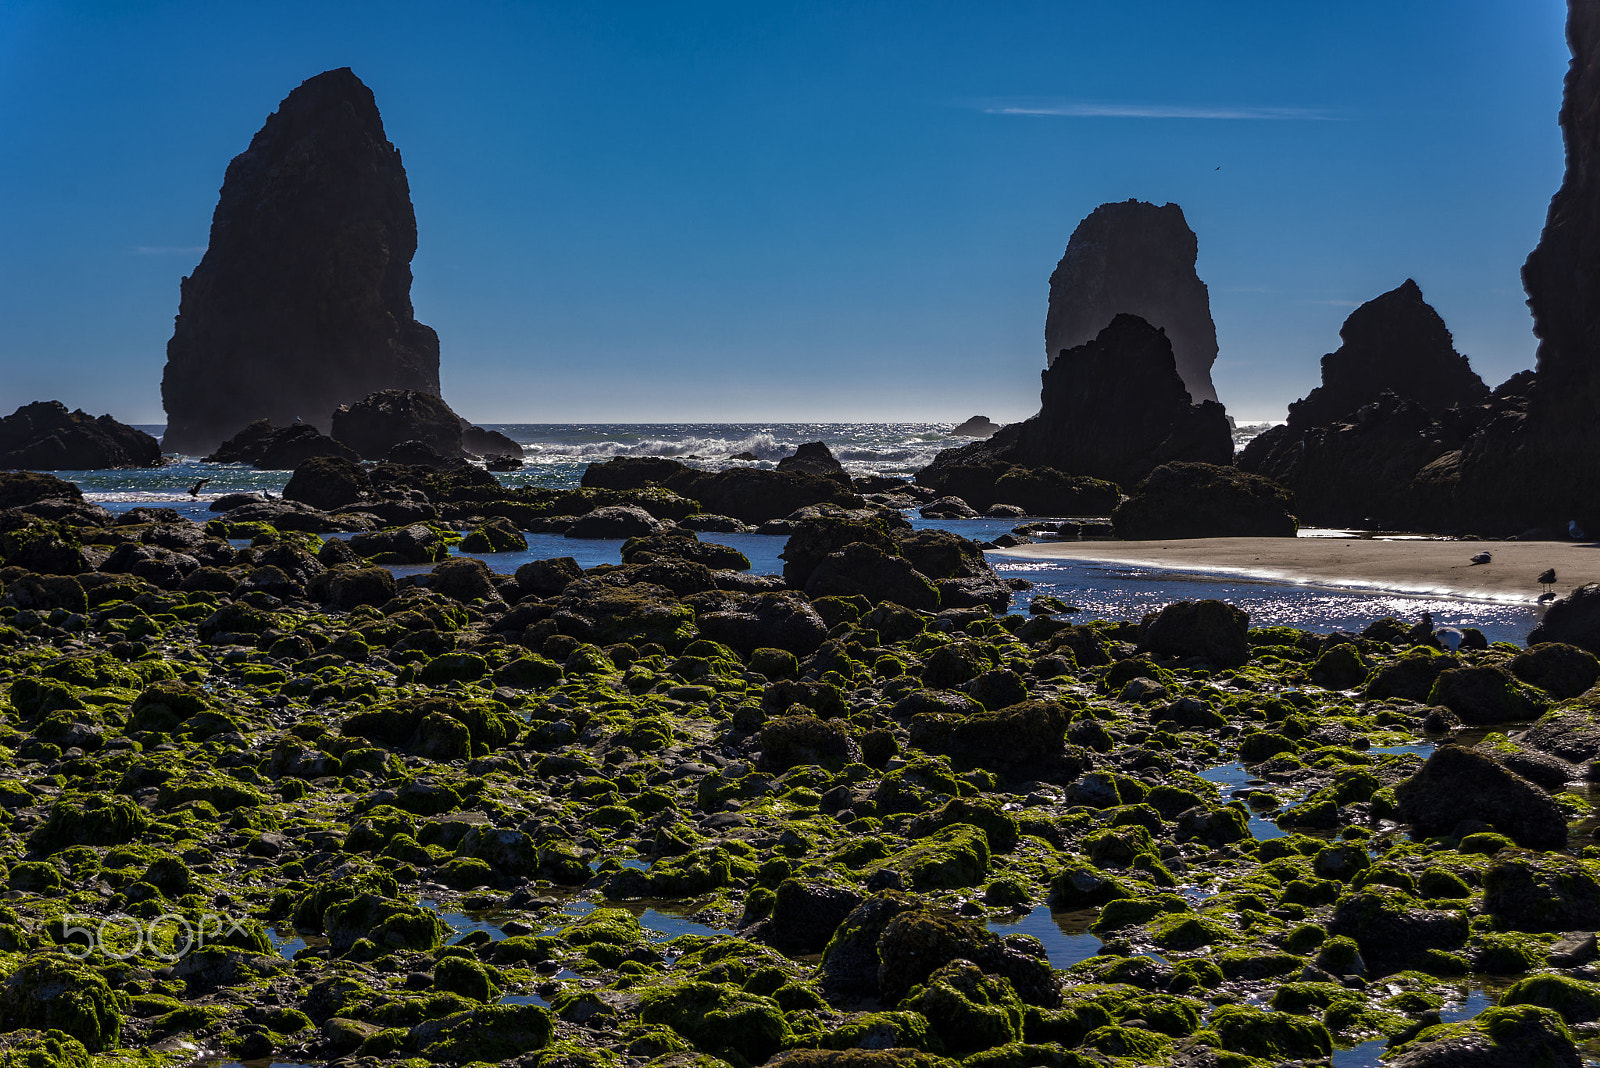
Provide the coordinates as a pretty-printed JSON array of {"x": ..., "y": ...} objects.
[{"x": 832, "y": 211}]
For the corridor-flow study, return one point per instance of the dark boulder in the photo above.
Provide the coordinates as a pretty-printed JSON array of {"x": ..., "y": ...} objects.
[
  {"x": 814, "y": 538},
  {"x": 984, "y": 483},
  {"x": 1457, "y": 784},
  {"x": 414, "y": 453},
  {"x": 814, "y": 458},
  {"x": 778, "y": 620},
  {"x": 1214, "y": 630},
  {"x": 488, "y": 443},
  {"x": 463, "y": 579},
  {"x": 379, "y": 421},
  {"x": 278, "y": 448},
  {"x": 1190, "y": 500},
  {"x": 1114, "y": 408},
  {"x": 805, "y": 914},
  {"x": 979, "y": 426},
  {"x": 18, "y": 488},
  {"x": 327, "y": 483},
  {"x": 1392, "y": 931},
  {"x": 868, "y": 571},
  {"x": 545, "y": 578},
  {"x": 1558, "y": 669},
  {"x": 45, "y": 436},
  {"x": 1486, "y": 695},
  {"x": 1573, "y": 620},
  {"x": 749, "y": 495},
  {"x": 302, "y": 302},
  {"x": 615, "y": 521},
  {"x": 1541, "y": 892}
]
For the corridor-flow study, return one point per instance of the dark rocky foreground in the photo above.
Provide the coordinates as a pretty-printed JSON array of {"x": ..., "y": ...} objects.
[{"x": 842, "y": 775}]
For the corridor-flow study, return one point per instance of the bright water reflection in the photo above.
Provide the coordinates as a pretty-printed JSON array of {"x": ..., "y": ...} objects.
[{"x": 1065, "y": 935}]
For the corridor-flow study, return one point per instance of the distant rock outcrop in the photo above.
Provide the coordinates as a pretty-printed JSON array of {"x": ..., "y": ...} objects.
[
  {"x": 1394, "y": 398},
  {"x": 489, "y": 443},
  {"x": 278, "y": 448},
  {"x": 378, "y": 422},
  {"x": 814, "y": 458},
  {"x": 1114, "y": 409},
  {"x": 44, "y": 436},
  {"x": 978, "y": 426},
  {"x": 302, "y": 301},
  {"x": 1136, "y": 258}
]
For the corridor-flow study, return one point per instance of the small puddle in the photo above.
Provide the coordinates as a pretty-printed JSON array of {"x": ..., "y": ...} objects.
[
  {"x": 1233, "y": 778},
  {"x": 661, "y": 924},
  {"x": 464, "y": 923},
  {"x": 287, "y": 942},
  {"x": 1369, "y": 1054},
  {"x": 1065, "y": 935}
]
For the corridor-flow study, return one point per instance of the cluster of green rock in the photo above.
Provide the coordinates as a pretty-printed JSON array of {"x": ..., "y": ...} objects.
[{"x": 843, "y": 794}]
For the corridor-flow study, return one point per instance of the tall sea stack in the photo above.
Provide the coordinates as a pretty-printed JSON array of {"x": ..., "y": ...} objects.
[
  {"x": 1136, "y": 258},
  {"x": 302, "y": 301}
]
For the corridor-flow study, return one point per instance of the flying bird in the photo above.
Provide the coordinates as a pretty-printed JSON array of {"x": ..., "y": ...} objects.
[
  {"x": 194, "y": 490},
  {"x": 1547, "y": 579},
  {"x": 1482, "y": 558}
]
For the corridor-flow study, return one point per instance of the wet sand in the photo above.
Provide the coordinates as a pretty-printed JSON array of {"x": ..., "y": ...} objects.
[{"x": 1432, "y": 567}]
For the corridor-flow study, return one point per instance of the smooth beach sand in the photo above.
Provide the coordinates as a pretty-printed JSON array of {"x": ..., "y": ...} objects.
[{"x": 1408, "y": 566}]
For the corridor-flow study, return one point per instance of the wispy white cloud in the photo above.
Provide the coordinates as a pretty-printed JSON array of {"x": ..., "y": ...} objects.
[
  {"x": 168, "y": 250},
  {"x": 1092, "y": 110}
]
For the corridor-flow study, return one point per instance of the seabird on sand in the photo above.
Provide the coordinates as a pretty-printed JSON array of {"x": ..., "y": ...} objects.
[
  {"x": 194, "y": 490},
  {"x": 1482, "y": 558},
  {"x": 1547, "y": 579},
  {"x": 1449, "y": 637}
]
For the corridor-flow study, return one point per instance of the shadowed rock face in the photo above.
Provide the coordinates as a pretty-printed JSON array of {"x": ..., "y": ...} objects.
[
  {"x": 1137, "y": 258},
  {"x": 302, "y": 301},
  {"x": 45, "y": 436},
  {"x": 1541, "y": 466},
  {"x": 1394, "y": 398},
  {"x": 1114, "y": 408},
  {"x": 1394, "y": 342}
]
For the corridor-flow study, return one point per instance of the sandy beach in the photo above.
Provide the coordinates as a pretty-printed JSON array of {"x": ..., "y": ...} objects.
[{"x": 1408, "y": 566}]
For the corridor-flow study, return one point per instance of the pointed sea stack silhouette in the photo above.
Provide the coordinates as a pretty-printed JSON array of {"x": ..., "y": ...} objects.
[
  {"x": 302, "y": 301},
  {"x": 1133, "y": 257}
]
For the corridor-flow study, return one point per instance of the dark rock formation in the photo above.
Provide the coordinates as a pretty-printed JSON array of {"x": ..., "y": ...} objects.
[
  {"x": 488, "y": 443},
  {"x": 1186, "y": 500},
  {"x": 814, "y": 458},
  {"x": 746, "y": 494},
  {"x": 978, "y": 426},
  {"x": 1395, "y": 342},
  {"x": 1459, "y": 785},
  {"x": 1214, "y": 630},
  {"x": 1537, "y": 464},
  {"x": 327, "y": 482},
  {"x": 45, "y": 436},
  {"x": 1573, "y": 619},
  {"x": 378, "y": 422},
  {"x": 1036, "y": 490},
  {"x": 1395, "y": 398},
  {"x": 1114, "y": 408},
  {"x": 278, "y": 448},
  {"x": 1136, "y": 258},
  {"x": 19, "y": 488},
  {"x": 302, "y": 301}
]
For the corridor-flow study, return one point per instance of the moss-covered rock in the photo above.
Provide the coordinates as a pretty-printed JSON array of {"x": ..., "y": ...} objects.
[{"x": 52, "y": 992}]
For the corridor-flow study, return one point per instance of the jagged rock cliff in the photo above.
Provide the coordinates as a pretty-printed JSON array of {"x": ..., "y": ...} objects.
[
  {"x": 1114, "y": 408},
  {"x": 1536, "y": 461},
  {"x": 1394, "y": 397},
  {"x": 1137, "y": 258},
  {"x": 302, "y": 301},
  {"x": 1394, "y": 342}
]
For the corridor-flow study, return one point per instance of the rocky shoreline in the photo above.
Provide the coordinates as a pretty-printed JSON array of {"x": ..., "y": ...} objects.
[{"x": 668, "y": 813}]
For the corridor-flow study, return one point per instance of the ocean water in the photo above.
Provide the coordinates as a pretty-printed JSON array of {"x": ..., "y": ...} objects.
[{"x": 556, "y": 455}]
